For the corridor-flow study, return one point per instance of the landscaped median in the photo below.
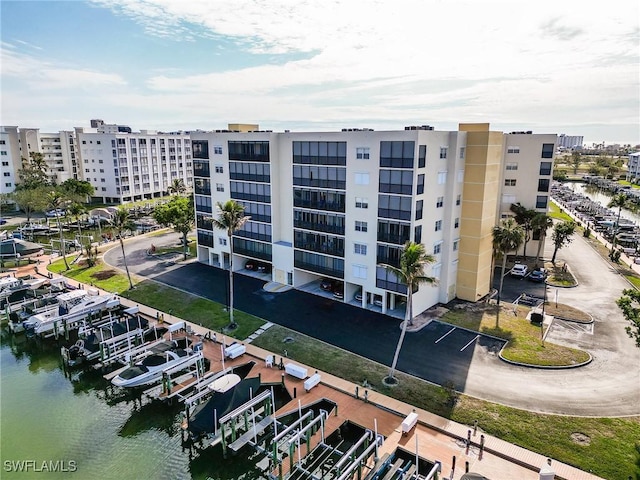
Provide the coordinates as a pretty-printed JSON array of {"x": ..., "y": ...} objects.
[{"x": 525, "y": 343}]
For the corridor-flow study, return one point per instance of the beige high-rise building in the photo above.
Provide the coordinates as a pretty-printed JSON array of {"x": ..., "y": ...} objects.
[{"x": 332, "y": 206}]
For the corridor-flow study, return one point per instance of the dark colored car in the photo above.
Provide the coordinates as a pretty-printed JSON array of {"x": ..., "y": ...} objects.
[
  {"x": 256, "y": 266},
  {"x": 326, "y": 284},
  {"x": 539, "y": 275}
]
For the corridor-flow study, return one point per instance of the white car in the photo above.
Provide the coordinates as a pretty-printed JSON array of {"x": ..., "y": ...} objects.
[{"x": 519, "y": 270}]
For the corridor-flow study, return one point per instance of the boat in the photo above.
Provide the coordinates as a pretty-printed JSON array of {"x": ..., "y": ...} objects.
[
  {"x": 166, "y": 355},
  {"x": 71, "y": 309}
]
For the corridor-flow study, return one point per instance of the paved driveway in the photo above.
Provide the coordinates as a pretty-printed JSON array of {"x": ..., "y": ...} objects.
[{"x": 610, "y": 385}]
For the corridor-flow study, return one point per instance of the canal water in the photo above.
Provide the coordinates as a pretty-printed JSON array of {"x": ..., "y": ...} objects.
[
  {"x": 79, "y": 423},
  {"x": 601, "y": 196}
]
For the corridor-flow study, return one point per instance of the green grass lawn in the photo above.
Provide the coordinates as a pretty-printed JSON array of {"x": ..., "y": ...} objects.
[
  {"x": 524, "y": 338},
  {"x": 101, "y": 275},
  {"x": 193, "y": 308},
  {"x": 612, "y": 452},
  {"x": 555, "y": 212},
  {"x": 634, "y": 279}
]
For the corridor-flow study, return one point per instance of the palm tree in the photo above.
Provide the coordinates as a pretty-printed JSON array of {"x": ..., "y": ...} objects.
[
  {"x": 76, "y": 210},
  {"x": 523, "y": 217},
  {"x": 541, "y": 223},
  {"x": 507, "y": 236},
  {"x": 55, "y": 201},
  {"x": 177, "y": 186},
  {"x": 121, "y": 222},
  {"x": 413, "y": 261},
  {"x": 230, "y": 218},
  {"x": 619, "y": 201}
]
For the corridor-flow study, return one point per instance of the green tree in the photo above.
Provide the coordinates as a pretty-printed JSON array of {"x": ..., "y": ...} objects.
[
  {"x": 524, "y": 216},
  {"x": 576, "y": 161},
  {"x": 560, "y": 174},
  {"x": 562, "y": 236},
  {"x": 33, "y": 173},
  {"x": 540, "y": 224},
  {"x": 79, "y": 191},
  {"x": 413, "y": 261},
  {"x": 31, "y": 200},
  {"x": 177, "y": 187},
  {"x": 121, "y": 223},
  {"x": 55, "y": 201},
  {"x": 595, "y": 170},
  {"x": 507, "y": 236},
  {"x": 629, "y": 303},
  {"x": 230, "y": 218},
  {"x": 76, "y": 210},
  {"x": 178, "y": 214},
  {"x": 619, "y": 201}
]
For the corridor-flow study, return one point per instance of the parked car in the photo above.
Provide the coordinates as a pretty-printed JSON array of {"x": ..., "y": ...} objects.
[
  {"x": 538, "y": 275},
  {"x": 251, "y": 265},
  {"x": 358, "y": 296},
  {"x": 377, "y": 300},
  {"x": 519, "y": 270},
  {"x": 256, "y": 266},
  {"x": 2, "y": 221},
  {"x": 326, "y": 284},
  {"x": 58, "y": 212}
]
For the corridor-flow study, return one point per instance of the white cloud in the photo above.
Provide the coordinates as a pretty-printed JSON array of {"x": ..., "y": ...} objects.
[
  {"x": 44, "y": 75},
  {"x": 378, "y": 62}
]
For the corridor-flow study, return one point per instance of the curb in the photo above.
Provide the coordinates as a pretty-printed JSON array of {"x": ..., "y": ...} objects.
[{"x": 545, "y": 367}]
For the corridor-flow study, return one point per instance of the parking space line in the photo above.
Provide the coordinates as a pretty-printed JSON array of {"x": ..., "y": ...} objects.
[
  {"x": 445, "y": 334},
  {"x": 476, "y": 338}
]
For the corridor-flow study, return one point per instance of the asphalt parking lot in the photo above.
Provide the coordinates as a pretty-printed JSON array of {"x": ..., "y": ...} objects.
[{"x": 513, "y": 287}]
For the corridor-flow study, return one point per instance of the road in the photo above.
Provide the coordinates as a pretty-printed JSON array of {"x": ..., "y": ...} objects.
[{"x": 609, "y": 386}]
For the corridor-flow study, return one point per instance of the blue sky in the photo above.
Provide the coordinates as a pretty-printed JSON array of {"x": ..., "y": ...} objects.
[{"x": 564, "y": 67}]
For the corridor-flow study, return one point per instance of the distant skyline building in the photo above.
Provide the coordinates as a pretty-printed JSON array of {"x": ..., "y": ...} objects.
[
  {"x": 570, "y": 141},
  {"x": 336, "y": 205}
]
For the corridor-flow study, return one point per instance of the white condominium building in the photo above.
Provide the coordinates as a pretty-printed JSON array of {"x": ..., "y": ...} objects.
[
  {"x": 336, "y": 205},
  {"x": 125, "y": 167}
]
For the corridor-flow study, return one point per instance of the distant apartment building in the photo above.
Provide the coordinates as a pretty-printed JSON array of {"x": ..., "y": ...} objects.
[
  {"x": 58, "y": 151},
  {"x": 633, "y": 164},
  {"x": 570, "y": 142},
  {"x": 336, "y": 205},
  {"x": 125, "y": 167}
]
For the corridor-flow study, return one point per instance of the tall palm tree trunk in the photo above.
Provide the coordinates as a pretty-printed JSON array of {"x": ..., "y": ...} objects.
[
  {"x": 62, "y": 246},
  {"x": 504, "y": 265},
  {"x": 540, "y": 242},
  {"x": 231, "y": 321},
  {"x": 407, "y": 318},
  {"x": 124, "y": 259}
]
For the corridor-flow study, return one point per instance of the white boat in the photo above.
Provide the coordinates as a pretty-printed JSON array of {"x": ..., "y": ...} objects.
[
  {"x": 72, "y": 308},
  {"x": 150, "y": 369}
]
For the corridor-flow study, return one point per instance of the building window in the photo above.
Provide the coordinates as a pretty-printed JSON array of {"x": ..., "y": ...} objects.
[
  {"x": 547, "y": 150},
  {"x": 8, "y": 184},
  {"x": 362, "y": 202},
  {"x": 545, "y": 168},
  {"x": 3, "y": 152},
  {"x": 5, "y": 164},
  {"x": 437, "y": 248},
  {"x": 200, "y": 148},
  {"x": 462, "y": 150},
  {"x": 359, "y": 271},
  {"x": 458, "y": 199},
  {"x": 511, "y": 166},
  {"x": 442, "y": 178},
  {"x": 509, "y": 182},
  {"x": 396, "y": 181},
  {"x": 460, "y": 176},
  {"x": 362, "y": 153},
  {"x": 543, "y": 185},
  {"x": 456, "y": 222},
  {"x": 219, "y": 187},
  {"x": 2, "y": 142},
  {"x": 362, "y": 179},
  {"x": 509, "y": 199},
  {"x": 438, "y": 225},
  {"x": 397, "y": 154},
  {"x": 435, "y": 271},
  {"x": 359, "y": 249},
  {"x": 439, "y": 202},
  {"x": 541, "y": 201},
  {"x": 7, "y": 174},
  {"x": 102, "y": 180},
  {"x": 219, "y": 169},
  {"x": 222, "y": 241},
  {"x": 361, "y": 226},
  {"x": 422, "y": 156},
  {"x": 513, "y": 149},
  {"x": 455, "y": 245},
  {"x": 217, "y": 149},
  {"x": 420, "y": 184},
  {"x": 419, "y": 206},
  {"x": 443, "y": 152}
]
